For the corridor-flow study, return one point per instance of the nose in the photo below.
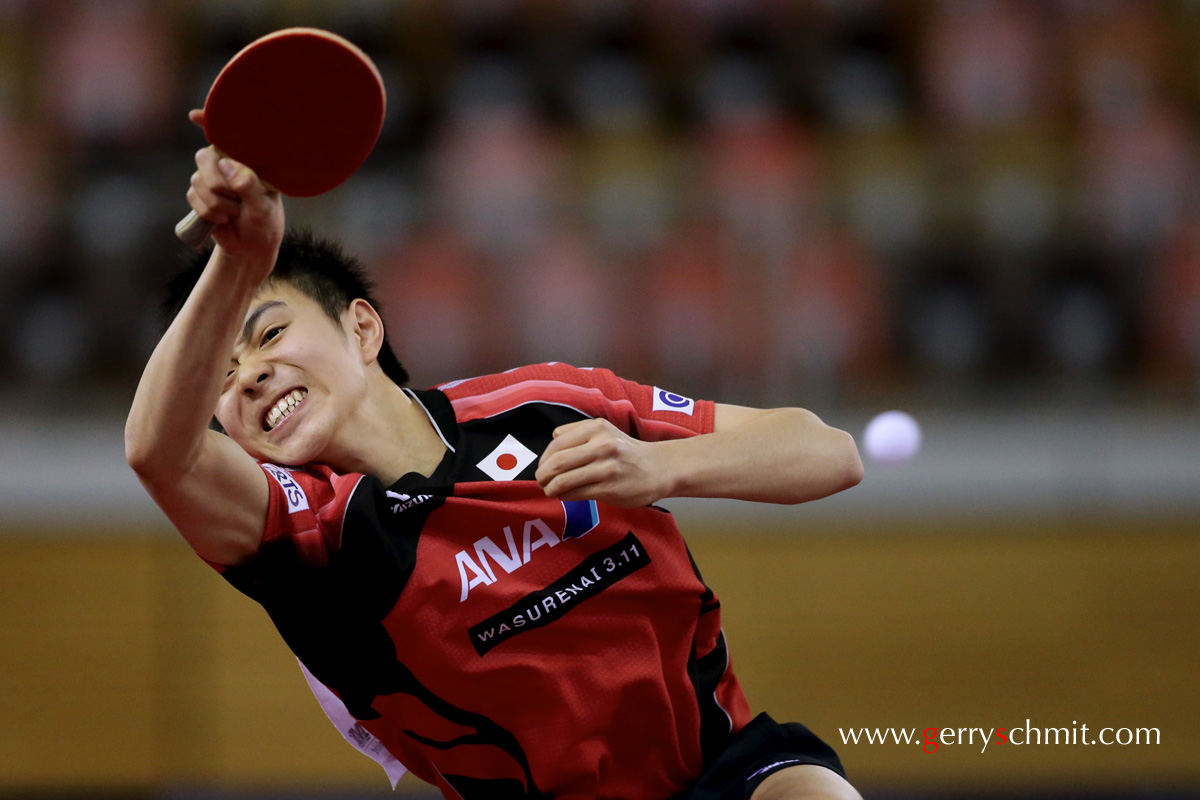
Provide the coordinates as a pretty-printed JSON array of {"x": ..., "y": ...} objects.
[{"x": 251, "y": 377}]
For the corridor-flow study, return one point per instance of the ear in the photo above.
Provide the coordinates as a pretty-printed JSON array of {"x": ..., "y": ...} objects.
[{"x": 366, "y": 327}]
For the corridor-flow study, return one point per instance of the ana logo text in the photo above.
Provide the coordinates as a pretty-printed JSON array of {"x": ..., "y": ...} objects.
[
  {"x": 480, "y": 570},
  {"x": 586, "y": 579}
]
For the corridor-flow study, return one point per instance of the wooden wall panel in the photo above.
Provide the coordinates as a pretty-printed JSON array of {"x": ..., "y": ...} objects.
[
  {"x": 127, "y": 662},
  {"x": 952, "y": 627},
  {"x": 77, "y": 662}
]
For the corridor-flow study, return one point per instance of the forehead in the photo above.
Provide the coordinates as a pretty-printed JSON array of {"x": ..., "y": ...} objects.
[
  {"x": 281, "y": 291},
  {"x": 274, "y": 300},
  {"x": 278, "y": 296}
]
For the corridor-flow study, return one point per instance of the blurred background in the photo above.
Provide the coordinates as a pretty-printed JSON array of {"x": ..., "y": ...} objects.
[{"x": 985, "y": 212}]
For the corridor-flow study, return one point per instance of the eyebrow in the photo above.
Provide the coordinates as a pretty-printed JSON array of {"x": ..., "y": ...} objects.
[{"x": 252, "y": 320}]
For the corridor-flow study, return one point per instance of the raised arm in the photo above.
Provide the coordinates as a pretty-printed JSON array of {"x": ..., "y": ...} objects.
[
  {"x": 780, "y": 455},
  {"x": 212, "y": 491}
]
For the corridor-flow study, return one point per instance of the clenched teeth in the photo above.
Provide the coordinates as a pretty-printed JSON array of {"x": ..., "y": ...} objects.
[{"x": 286, "y": 405}]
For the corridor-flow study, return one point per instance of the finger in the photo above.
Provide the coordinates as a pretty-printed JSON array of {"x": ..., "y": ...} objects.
[
  {"x": 554, "y": 464},
  {"x": 203, "y": 182},
  {"x": 244, "y": 181},
  {"x": 593, "y": 473},
  {"x": 216, "y": 210},
  {"x": 196, "y": 116},
  {"x": 209, "y": 174},
  {"x": 592, "y": 491},
  {"x": 208, "y": 204},
  {"x": 573, "y": 433},
  {"x": 559, "y": 459},
  {"x": 559, "y": 488},
  {"x": 210, "y": 191}
]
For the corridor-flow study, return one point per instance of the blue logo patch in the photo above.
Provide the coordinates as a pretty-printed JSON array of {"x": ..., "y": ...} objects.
[
  {"x": 669, "y": 401},
  {"x": 582, "y": 517}
]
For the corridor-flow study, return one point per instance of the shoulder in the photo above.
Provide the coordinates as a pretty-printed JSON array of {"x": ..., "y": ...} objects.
[
  {"x": 584, "y": 389},
  {"x": 314, "y": 479},
  {"x": 593, "y": 392},
  {"x": 306, "y": 498},
  {"x": 547, "y": 374}
]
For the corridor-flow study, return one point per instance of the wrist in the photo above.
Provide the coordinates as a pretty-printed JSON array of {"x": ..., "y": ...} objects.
[
  {"x": 244, "y": 268},
  {"x": 670, "y": 469}
]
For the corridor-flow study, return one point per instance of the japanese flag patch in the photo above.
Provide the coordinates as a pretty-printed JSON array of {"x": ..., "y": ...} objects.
[{"x": 506, "y": 461}]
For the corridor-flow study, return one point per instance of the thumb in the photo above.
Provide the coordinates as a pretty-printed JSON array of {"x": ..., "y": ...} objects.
[
  {"x": 243, "y": 180},
  {"x": 229, "y": 168}
]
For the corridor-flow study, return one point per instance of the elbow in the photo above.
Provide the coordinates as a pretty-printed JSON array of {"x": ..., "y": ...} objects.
[
  {"x": 843, "y": 468},
  {"x": 827, "y": 464},
  {"x": 137, "y": 449},
  {"x": 148, "y": 457},
  {"x": 852, "y": 465}
]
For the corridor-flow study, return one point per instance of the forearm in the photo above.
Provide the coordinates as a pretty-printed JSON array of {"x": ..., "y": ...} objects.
[
  {"x": 784, "y": 455},
  {"x": 182, "y": 381}
]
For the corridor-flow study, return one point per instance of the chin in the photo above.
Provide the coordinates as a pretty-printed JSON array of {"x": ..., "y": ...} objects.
[
  {"x": 301, "y": 447},
  {"x": 297, "y": 445},
  {"x": 286, "y": 454}
]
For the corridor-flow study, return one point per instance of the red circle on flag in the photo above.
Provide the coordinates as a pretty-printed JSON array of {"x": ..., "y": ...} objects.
[{"x": 506, "y": 461}]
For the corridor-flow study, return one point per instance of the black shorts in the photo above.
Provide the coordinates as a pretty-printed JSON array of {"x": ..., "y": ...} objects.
[{"x": 756, "y": 752}]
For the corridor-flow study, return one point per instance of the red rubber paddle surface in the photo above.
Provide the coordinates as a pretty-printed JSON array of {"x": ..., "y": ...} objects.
[{"x": 301, "y": 107}]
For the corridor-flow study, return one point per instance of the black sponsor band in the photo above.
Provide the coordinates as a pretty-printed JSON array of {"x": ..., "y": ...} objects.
[{"x": 591, "y": 576}]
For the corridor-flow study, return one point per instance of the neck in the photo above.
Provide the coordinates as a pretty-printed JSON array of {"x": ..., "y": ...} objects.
[{"x": 391, "y": 436}]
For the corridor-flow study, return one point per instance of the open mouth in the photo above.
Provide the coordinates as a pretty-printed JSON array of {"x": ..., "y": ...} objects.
[{"x": 283, "y": 408}]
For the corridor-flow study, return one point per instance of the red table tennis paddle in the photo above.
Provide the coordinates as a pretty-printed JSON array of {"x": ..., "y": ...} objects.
[{"x": 302, "y": 107}]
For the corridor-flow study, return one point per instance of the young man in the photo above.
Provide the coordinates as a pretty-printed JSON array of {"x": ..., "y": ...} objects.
[{"x": 473, "y": 577}]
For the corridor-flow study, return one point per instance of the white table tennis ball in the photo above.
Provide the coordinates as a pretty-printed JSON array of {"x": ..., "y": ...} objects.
[{"x": 893, "y": 437}]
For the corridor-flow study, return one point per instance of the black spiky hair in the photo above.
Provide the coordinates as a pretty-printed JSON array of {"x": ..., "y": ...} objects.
[{"x": 313, "y": 265}]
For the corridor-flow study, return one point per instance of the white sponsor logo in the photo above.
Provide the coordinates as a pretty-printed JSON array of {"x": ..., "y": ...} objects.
[
  {"x": 297, "y": 500},
  {"x": 669, "y": 401},
  {"x": 480, "y": 570},
  {"x": 507, "y": 460},
  {"x": 403, "y": 502}
]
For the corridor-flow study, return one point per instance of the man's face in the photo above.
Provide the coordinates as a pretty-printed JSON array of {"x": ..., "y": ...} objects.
[{"x": 294, "y": 377}]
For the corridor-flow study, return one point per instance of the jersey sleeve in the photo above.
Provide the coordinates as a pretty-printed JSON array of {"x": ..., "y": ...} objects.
[
  {"x": 306, "y": 510},
  {"x": 644, "y": 412}
]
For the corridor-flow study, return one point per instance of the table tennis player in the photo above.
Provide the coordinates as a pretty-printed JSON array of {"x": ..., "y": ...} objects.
[{"x": 475, "y": 577}]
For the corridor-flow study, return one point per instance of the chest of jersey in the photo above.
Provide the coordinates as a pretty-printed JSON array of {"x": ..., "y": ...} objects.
[
  {"x": 503, "y": 574},
  {"x": 569, "y": 624}
]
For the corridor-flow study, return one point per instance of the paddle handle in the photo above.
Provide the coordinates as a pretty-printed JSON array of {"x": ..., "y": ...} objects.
[{"x": 193, "y": 230}]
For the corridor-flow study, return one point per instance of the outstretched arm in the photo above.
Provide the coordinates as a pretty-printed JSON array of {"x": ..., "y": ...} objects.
[
  {"x": 211, "y": 490},
  {"x": 780, "y": 455}
]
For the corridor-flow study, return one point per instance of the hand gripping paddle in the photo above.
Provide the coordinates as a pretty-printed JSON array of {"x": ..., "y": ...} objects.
[{"x": 301, "y": 107}]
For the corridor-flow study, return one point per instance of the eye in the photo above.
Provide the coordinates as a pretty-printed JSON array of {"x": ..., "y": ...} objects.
[{"x": 271, "y": 333}]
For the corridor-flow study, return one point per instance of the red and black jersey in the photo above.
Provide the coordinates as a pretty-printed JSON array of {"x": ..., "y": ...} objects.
[{"x": 498, "y": 643}]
